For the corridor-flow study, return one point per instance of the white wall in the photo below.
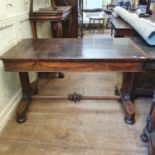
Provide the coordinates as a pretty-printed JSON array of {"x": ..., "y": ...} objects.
[
  {"x": 90, "y": 4},
  {"x": 14, "y": 25}
]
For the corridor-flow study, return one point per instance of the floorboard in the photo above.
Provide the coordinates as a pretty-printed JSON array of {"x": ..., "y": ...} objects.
[{"x": 85, "y": 128}]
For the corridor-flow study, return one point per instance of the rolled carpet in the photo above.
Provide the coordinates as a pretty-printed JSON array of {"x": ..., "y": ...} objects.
[{"x": 145, "y": 29}]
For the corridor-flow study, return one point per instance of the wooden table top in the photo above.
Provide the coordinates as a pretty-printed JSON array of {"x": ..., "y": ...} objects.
[{"x": 75, "y": 50}]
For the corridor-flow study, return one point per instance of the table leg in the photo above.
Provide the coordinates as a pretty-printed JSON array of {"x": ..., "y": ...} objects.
[
  {"x": 57, "y": 26},
  {"x": 134, "y": 86},
  {"x": 112, "y": 30},
  {"x": 34, "y": 29},
  {"x": 103, "y": 25},
  {"x": 70, "y": 26},
  {"x": 57, "y": 32},
  {"x": 89, "y": 24},
  {"x": 27, "y": 91},
  {"x": 99, "y": 24},
  {"x": 124, "y": 93},
  {"x": 93, "y": 26},
  {"x": 108, "y": 21}
]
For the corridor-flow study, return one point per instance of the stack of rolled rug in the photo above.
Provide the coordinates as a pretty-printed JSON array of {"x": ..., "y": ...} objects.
[{"x": 145, "y": 29}]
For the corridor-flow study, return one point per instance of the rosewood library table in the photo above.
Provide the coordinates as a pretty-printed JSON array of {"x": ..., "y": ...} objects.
[{"x": 75, "y": 55}]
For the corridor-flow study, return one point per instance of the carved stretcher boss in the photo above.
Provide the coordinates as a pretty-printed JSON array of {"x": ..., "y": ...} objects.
[{"x": 100, "y": 55}]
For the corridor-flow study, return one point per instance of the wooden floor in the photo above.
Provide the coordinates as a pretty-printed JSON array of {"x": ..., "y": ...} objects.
[{"x": 84, "y": 128}]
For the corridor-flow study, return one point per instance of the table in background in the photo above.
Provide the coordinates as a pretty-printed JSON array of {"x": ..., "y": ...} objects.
[
  {"x": 143, "y": 83},
  {"x": 59, "y": 16},
  {"x": 99, "y": 21},
  {"x": 120, "y": 28},
  {"x": 149, "y": 131}
]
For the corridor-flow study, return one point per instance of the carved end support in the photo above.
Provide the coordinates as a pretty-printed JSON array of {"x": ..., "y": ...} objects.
[
  {"x": 127, "y": 106},
  {"x": 61, "y": 75},
  {"x": 24, "y": 104},
  {"x": 129, "y": 110}
]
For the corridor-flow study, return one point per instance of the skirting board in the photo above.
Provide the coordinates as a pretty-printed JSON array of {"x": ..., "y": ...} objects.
[{"x": 9, "y": 111}]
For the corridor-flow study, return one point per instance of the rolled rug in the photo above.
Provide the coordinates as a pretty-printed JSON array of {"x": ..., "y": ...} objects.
[{"x": 144, "y": 28}]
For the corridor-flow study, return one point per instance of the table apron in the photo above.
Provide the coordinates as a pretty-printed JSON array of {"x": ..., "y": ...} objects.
[{"x": 43, "y": 66}]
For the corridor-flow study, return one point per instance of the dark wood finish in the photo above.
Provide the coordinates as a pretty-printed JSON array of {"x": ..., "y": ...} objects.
[
  {"x": 57, "y": 15},
  {"x": 82, "y": 97},
  {"x": 77, "y": 55},
  {"x": 91, "y": 24},
  {"x": 108, "y": 11},
  {"x": 61, "y": 23},
  {"x": 74, "y": 50},
  {"x": 124, "y": 92},
  {"x": 74, "y": 55},
  {"x": 148, "y": 133},
  {"x": 79, "y": 66},
  {"x": 28, "y": 90},
  {"x": 120, "y": 28},
  {"x": 76, "y": 97},
  {"x": 73, "y": 30},
  {"x": 148, "y": 7},
  {"x": 143, "y": 83}
]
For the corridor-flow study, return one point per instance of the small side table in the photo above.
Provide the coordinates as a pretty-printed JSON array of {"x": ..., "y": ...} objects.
[{"x": 99, "y": 21}]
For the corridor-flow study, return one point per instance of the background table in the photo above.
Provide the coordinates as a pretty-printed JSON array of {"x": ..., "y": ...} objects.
[{"x": 99, "y": 21}]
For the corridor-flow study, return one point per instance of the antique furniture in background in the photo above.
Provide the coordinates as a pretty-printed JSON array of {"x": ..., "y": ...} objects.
[
  {"x": 108, "y": 11},
  {"x": 120, "y": 28},
  {"x": 73, "y": 32},
  {"x": 149, "y": 130},
  {"x": 62, "y": 18},
  {"x": 96, "y": 21},
  {"x": 143, "y": 83},
  {"x": 91, "y": 18},
  {"x": 59, "y": 16}
]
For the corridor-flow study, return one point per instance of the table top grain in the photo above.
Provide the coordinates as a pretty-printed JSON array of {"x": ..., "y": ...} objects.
[{"x": 73, "y": 49}]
